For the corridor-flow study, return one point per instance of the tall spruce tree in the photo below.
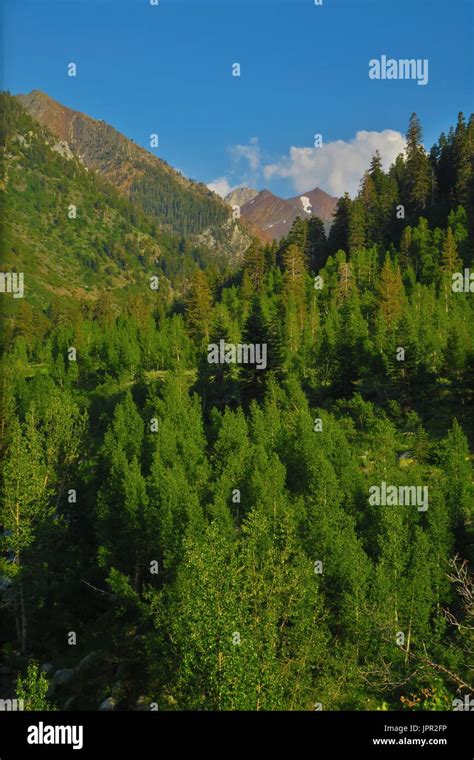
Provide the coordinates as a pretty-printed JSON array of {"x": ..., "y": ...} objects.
[{"x": 417, "y": 168}]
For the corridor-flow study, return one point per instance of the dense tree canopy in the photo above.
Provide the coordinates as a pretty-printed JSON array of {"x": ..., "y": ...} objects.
[{"x": 206, "y": 530}]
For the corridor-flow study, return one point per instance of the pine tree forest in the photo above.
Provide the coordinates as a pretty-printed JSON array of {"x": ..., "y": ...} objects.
[{"x": 288, "y": 532}]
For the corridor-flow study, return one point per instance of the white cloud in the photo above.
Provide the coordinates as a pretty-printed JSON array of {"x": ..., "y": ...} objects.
[
  {"x": 244, "y": 169},
  {"x": 250, "y": 153},
  {"x": 337, "y": 166},
  {"x": 221, "y": 186}
]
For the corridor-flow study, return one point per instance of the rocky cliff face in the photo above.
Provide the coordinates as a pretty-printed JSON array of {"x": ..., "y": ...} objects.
[
  {"x": 231, "y": 239},
  {"x": 240, "y": 195}
]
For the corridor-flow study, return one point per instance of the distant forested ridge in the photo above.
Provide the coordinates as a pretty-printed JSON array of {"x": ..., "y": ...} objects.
[{"x": 186, "y": 535}]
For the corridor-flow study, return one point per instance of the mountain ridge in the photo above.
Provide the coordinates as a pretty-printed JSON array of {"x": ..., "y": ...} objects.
[
  {"x": 179, "y": 204},
  {"x": 270, "y": 217},
  {"x": 73, "y": 233}
]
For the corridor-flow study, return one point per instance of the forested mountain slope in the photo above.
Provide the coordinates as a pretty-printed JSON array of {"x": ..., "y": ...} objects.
[
  {"x": 218, "y": 536},
  {"x": 73, "y": 235},
  {"x": 176, "y": 203}
]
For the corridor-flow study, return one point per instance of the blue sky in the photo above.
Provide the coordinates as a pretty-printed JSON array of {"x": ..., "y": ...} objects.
[{"x": 304, "y": 70}]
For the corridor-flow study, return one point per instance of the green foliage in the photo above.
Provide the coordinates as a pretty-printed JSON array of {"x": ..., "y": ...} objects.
[
  {"x": 77, "y": 237},
  {"x": 32, "y": 689},
  {"x": 212, "y": 522}
]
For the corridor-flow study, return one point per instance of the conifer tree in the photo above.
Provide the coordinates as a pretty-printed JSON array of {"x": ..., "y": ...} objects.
[
  {"x": 463, "y": 153},
  {"x": 25, "y": 509},
  {"x": 298, "y": 234},
  {"x": 339, "y": 232},
  {"x": 405, "y": 248},
  {"x": 316, "y": 244},
  {"x": 417, "y": 168},
  {"x": 199, "y": 306},
  {"x": 357, "y": 224},
  {"x": 391, "y": 293},
  {"x": 256, "y": 331},
  {"x": 254, "y": 265},
  {"x": 450, "y": 261}
]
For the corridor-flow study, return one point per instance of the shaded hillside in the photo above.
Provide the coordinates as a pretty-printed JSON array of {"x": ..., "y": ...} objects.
[
  {"x": 110, "y": 245},
  {"x": 177, "y": 203}
]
